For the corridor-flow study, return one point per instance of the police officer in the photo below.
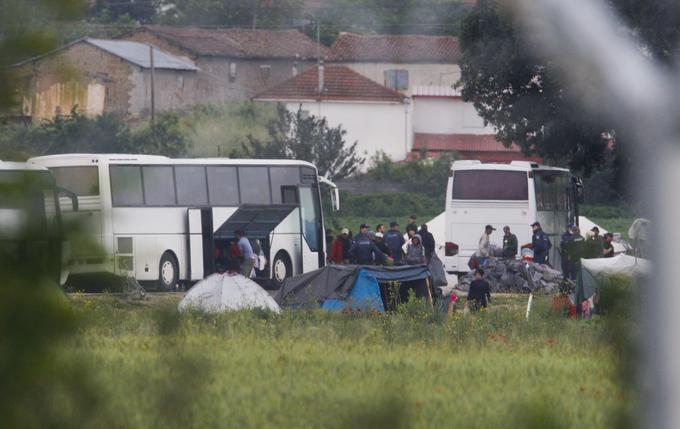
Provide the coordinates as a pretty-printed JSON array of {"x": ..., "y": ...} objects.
[
  {"x": 540, "y": 243},
  {"x": 394, "y": 240},
  {"x": 364, "y": 251}
]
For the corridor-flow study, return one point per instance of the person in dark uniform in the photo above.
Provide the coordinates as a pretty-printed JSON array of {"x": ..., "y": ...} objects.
[
  {"x": 364, "y": 251},
  {"x": 394, "y": 240},
  {"x": 428, "y": 242},
  {"x": 540, "y": 243},
  {"x": 479, "y": 295}
]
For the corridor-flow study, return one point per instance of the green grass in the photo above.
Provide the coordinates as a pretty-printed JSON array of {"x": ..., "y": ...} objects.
[{"x": 309, "y": 369}]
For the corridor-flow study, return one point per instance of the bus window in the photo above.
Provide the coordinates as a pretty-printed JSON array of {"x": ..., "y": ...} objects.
[
  {"x": 552, "y": 190},
  {"x": 289, "y": 195},
  {"x": 254, "y": 185},
  {"x": 311, "y": 217},
  {"x": 126, "y": 186},
  {"x": 82, "y": 181},
  {"x": 490, "y": 185},
  {"x": 192, "y": 188},
  {"x": 159, "y": 186},
  {"x": 283, "y": 179},
  {"x": 223, "y": 186}
]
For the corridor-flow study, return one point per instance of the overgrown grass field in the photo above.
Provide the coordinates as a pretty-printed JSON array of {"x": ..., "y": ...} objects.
[{"x": 309, "y": 369}]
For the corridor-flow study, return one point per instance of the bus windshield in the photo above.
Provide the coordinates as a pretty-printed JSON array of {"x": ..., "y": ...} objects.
[{"x": 490, "y": 185}]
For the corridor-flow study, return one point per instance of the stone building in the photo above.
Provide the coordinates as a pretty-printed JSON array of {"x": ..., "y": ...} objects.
[
  {"x": 235, "y": 64},
  {"x": 97, "y": 76}
]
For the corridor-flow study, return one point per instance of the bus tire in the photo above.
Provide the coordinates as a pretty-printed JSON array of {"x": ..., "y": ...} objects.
[
  {"x": 282, "y": 268},
  {"x": 168, "y": 272}
]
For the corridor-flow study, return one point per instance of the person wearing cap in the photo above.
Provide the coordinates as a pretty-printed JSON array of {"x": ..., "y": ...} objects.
[
  {"x": 364, "y": 251},
  {"x": 394, "y": 240},
  {"x": 484, "y": 249},
  {"x": 340, "y": 250},
  {"x": 479, "y": 294},
  {"x": 510, "y": 244},
  {"x": 540, "y": 243},
  {"x": 415, "y": 252}
]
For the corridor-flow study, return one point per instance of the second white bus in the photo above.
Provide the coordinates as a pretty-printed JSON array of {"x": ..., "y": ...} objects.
[
  {"x": 516, "y": 194},
  {"x": 160, "y": 219}
]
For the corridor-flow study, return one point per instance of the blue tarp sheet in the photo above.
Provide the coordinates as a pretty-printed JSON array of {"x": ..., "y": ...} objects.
[
  {"x": 365, "y": 295},
  {"x": 336, "y": 282}
]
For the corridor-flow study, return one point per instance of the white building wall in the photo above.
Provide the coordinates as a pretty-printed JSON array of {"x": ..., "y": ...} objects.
[
  {"x": 419, "y": 74},
  {"x": 376, "y": 126},
  {"x": 447, "y": 116}
]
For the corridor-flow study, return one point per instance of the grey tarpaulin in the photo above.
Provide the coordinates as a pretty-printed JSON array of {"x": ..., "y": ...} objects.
[
  {"x": 437, "y": 269},
  {"x": 336, "y": 282},
  {"x": 515, "y": 276}
]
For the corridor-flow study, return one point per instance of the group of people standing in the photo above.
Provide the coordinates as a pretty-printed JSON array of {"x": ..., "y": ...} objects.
[
  {"x": 574, "y": 247},
  {"x": 382, "y": 246}
]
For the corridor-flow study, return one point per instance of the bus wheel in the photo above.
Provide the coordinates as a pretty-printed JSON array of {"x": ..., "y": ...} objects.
[
  {"x": 168, "y": 272},
  {"x": 281, "y": 268}
]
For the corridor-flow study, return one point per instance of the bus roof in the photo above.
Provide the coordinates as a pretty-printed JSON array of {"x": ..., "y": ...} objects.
[
  {"x": 512, "y": 166},
  {"x": 18, "y": 166},
  {"x": 88, "y": 158}
]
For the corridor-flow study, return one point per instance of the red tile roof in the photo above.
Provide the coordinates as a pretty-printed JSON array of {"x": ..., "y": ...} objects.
[
  {"x": 349, "y": 47},
  {"x": 241, "y": 43},
  {"x": 484, "y": 147},
  {"x": 340, "y": 83}
]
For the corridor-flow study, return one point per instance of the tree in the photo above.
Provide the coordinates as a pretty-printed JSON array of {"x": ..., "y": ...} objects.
[
  {"x": 111, "y": 11},
  {"x": 438, "y": 17},
  {"x": 236, "y": 13},
  {"x": 308, "y": 138},
  {"x": 107, "y": 133},
  {"x": 522, "y": 96}
]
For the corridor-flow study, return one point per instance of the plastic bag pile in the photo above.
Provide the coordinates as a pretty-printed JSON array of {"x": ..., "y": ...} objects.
[{"x": 507, "y": 276}]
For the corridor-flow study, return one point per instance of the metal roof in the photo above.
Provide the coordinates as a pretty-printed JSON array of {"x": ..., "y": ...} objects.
[{"x": 138, "y": 53}]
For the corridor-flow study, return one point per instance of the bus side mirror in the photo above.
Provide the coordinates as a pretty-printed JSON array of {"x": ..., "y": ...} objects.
[{"x": 68, "y": 194}]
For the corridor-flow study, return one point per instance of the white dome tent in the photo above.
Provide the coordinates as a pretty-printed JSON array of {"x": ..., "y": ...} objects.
[{"x": 224, "y": 292}]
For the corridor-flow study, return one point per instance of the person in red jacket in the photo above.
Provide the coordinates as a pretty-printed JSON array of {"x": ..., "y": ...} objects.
[{"x": 338, "y": 253}]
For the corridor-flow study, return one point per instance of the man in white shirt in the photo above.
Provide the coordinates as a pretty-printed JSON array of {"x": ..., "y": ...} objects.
[
  {"x": 484, "y": 250},
  {"x": 246, "y": 251}
]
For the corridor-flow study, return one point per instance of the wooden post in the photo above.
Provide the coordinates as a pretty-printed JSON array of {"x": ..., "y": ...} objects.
[{"x": 429, "y": 292}]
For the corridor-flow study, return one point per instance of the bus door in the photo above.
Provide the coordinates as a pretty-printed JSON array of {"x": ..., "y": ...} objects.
[
  {"x": 313, "y": 256},
  {"x": 201, "y": 260}
]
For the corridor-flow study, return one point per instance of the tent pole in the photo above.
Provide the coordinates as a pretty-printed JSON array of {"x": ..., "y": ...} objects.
[{"x": 429, "y": 292}]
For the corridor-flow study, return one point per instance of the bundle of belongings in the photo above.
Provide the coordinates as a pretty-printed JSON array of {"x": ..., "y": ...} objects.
[{"x": 511, "y": 276}]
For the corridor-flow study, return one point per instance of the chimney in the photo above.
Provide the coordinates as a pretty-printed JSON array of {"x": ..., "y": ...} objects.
[{"x": 321, "y": 77}]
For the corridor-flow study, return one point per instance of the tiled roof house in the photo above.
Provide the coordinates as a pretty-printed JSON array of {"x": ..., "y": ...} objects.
[{"x": 235, "y": 64}]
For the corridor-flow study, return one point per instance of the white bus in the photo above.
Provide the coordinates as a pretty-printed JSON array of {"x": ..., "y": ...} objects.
[
  {"x": 516, "y": 194},
  {"x": 163, "y": 220},
  {"x": 30, "y": 220}
]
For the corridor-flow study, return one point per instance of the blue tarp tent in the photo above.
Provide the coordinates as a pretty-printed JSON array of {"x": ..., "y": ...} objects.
[{"x": 356, "y": 287}]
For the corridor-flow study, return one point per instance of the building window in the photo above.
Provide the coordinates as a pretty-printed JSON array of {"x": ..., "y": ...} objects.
[{"x": 396, "y": 79}]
